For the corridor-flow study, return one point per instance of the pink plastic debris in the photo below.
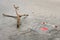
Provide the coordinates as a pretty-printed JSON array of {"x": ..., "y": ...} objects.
[{"x": 44, "y": 29}]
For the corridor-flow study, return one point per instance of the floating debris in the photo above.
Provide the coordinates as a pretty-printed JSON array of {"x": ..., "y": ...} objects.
[{"x": 44, "y": 28}]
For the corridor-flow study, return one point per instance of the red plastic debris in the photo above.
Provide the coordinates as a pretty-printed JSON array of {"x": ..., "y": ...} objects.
[{"x": 44, "y": 29}]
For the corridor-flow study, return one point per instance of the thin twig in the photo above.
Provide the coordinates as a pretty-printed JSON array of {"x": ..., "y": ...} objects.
[
  {"x": 18, "y": 16},
  {"x": 9, "y": 16},
  {"x": 14, "y": 16}
]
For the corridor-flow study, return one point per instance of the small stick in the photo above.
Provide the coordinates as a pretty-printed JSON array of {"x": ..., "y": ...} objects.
[
  {"x": 18, "y": 16},
  {"x": 24, "y": 15},
  {"x": 9, "y": 16},
  {"x": 14, "y": 16},
  {"x": 18, "y": 21}
]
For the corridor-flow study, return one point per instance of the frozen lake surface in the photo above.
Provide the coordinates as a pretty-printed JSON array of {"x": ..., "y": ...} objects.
[{"x": 38, "y": 10}]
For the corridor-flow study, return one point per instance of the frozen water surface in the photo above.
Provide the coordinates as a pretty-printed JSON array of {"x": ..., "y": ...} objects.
[{"x": 38, "y": 11}]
